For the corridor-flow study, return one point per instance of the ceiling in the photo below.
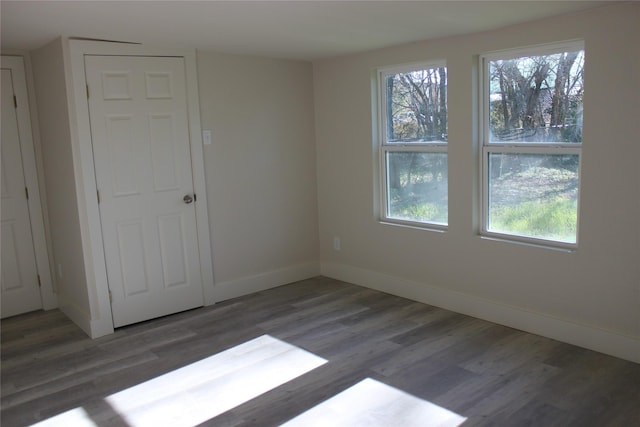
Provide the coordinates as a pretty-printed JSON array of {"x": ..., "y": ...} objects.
[{"x": 306, "y": 30}]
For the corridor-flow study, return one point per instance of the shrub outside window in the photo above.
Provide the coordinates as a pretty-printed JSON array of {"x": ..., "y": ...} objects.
[
  {"x": 412, "y": 105},
  {"x": 531, "y": 122}
]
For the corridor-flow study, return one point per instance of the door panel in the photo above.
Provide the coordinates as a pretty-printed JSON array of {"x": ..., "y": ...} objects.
[
  {"x": 139, "y": 126},
  {"x": 172, "y": 248},
  {"x": 122, "y": 153},
  {"x": 19, "y": 282},
  {"x": 135, "y": 279},
  {"x": 163, "y": 155}
]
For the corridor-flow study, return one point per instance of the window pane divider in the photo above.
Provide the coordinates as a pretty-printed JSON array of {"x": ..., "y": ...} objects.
[
  {"x": 411, "y": 148},
  {"x": 528, "y": 149}
]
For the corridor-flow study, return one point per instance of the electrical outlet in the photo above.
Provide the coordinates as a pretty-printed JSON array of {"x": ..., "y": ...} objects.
[{"x": 336, "y": 244}]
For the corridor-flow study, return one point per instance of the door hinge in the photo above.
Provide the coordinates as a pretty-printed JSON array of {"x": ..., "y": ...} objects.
[
  {"x": 39, "y": 282},
  {"x": 98, "y": 193},
  {"x": 15, "y": 102},
  {"x": 87, "y": 91},
  {"x": 110, "y": 296},
  {"x": 26, "y": 192}
]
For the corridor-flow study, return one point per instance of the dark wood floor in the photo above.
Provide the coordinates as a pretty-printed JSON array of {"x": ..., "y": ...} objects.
[{"x": 490, "y": 374}]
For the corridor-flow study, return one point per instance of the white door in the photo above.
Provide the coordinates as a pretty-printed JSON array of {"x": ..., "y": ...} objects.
[
  {"x": 141, "y": 146},
  {"x": 20, "y": 290}
]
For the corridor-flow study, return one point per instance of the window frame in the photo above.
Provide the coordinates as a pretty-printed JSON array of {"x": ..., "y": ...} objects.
[
  {"x": 487, "y": 147},
  {"x": 385, "y": 147}
]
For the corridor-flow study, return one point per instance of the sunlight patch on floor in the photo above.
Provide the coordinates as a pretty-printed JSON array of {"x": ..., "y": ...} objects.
[
  {"x": 198, "y": 392},
  {"x": 77, "y": 417},
  {"x": 371, "y": 403}
]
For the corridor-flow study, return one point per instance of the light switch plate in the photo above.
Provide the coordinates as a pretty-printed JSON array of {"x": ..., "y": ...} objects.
[{"x": 206, "y": 137}]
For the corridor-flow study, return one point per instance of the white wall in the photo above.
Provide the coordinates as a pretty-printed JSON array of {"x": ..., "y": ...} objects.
[
  {"x": 590, "y": 297},
  {"x": 260, "y": 170},
  {"x": 60, "y": 183},
  {"x": 275, "y": 183}
]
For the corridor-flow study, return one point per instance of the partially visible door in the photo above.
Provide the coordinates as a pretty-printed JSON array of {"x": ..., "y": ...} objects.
[
  {"x": 141, "y": 145},
  {"x": 20, "y": 286}
]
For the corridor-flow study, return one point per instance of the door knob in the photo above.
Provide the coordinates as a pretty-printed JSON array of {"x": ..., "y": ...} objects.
[{"x": 187, "y": 199}]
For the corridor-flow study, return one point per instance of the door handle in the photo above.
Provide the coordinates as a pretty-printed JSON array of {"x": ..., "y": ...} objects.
[{"x": 187, "y": 199}]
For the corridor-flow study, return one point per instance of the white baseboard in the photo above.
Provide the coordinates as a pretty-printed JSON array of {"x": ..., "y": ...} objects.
[
  {"x": 94, "y": 328},
  {"x": 593, "y": 338},
  {"x": 77, "y": 316},
  {"x": 260, "y": 282},
  {"x": 223, "y": 290},
  {"x": 101, "y": 327}
]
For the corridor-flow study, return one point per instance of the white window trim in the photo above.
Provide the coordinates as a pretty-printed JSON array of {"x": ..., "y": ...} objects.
[
  {"x": 385, "y": 147},
  {"x": 487, "y": 147}
]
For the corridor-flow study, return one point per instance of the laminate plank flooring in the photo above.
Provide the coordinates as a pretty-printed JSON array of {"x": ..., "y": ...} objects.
[{"x": 374, "y": 360}]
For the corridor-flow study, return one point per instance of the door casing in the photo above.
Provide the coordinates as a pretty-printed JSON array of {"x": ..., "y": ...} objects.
[
  {"x": 19, "y": 65},
  {"x": 101, "y": 321},
  {"x": 143, "y": 169}
]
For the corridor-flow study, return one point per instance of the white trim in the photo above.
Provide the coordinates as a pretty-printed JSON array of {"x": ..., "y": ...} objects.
[
  {"x": 263, "y": 281},
  {"x": 36, "y": 214},
  {"x": 587, "y": 336},
  {"x": 78, "y": 316},
  {"x": 412, "y": 66},
  {"x": 49, "y": 297},
  {"x": 91, "y": 231},
  {"x": 199, "y": 180},
  {"x": 427, "y": 147},
  {"x": 93, "y": 327},
  {"x": 536, "y": 50},
  {"x": 535, "y": 149}
]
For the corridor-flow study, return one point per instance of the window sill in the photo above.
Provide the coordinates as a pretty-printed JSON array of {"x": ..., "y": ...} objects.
[
  {"x": 437, "y": 228},
  {"x": 523, "y": 241}
]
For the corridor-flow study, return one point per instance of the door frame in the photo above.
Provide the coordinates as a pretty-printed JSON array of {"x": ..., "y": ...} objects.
[
  {"x": 74, "y": 51},
  {"x": 18, "y": 64}
]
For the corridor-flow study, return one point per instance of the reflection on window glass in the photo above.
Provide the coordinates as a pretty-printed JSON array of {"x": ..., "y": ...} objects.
[{"x": 417, "y": 186}]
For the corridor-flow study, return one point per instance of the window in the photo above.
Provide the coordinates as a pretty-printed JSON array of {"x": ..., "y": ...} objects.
[
  {"x": 531, "y": 123},
  {"x": 412, "y": 105}
]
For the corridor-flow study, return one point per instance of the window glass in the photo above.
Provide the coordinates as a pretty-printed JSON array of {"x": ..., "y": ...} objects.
[
  {"x": 537, "y": 98},
  {"x": 416, "y": 106},
  {"x": 534, "y": 195},
  {"x": 532, "y": 142},
  {"x": 417, "y": 186},
  {"x": 413, "y": 148}
]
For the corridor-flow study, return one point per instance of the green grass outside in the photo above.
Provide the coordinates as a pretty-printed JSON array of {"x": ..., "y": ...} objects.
[
  {"x": 537, "y": 202},
  {"x": 555, "y": 219},
  {"x": 420, "y": 212}
]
